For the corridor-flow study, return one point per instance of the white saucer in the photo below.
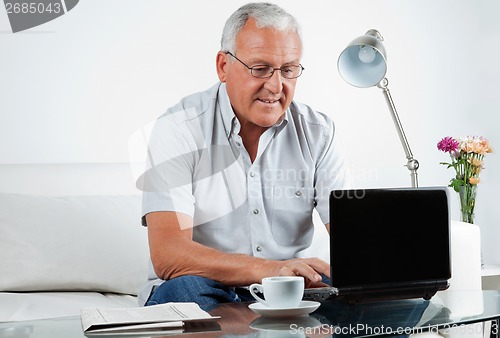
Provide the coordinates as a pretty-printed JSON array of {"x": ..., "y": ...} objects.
[{"x": 305, "y": 307}]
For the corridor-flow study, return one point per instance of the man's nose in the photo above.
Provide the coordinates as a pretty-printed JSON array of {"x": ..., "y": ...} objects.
[{"x": 275, "y": 82}]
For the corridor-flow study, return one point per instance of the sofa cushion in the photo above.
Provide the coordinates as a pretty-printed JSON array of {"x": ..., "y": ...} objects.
[
  {"x": 72, "y": 243},
  {"x": 22, "y": 306}
]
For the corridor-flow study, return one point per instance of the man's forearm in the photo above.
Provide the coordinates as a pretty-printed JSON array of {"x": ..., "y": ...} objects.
[
  {"x": 174, "y": 254},
  {"x": 181, "y": 256}
]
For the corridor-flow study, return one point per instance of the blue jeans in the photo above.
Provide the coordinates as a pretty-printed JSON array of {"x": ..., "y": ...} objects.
[{"x": 205, "y": 292}]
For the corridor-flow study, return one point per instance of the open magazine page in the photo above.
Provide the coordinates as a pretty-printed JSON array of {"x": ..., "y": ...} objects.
[{"x": 175, "y": 314}]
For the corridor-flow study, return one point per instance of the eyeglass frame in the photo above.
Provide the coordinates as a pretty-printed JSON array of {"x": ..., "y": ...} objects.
[{"x": 270, "y": 67}]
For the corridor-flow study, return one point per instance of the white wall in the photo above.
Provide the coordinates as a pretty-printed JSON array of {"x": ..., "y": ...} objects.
[{"x": 76, "y": 88}]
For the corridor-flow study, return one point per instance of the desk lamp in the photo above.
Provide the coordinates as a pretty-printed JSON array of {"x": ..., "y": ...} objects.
[{"x": 363, "y": 64}]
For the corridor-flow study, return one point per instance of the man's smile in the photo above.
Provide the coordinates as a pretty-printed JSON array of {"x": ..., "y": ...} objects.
[{"x": 269, "y": 101}]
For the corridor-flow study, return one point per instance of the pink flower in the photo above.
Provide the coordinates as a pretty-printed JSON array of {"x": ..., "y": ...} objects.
[{"x": 448, "y": 145}]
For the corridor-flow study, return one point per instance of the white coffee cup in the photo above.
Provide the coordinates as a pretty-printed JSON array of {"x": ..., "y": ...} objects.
[{"x": 282, "y": 292}]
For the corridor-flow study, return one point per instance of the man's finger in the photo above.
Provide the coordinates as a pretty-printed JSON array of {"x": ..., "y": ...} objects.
[
  {"x": 319, "y": 265},
  {"x": 301, "y": 268}
]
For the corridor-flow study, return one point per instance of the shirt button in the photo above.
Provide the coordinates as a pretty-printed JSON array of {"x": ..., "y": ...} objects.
[
  {"x": 298, "y": 193},
  {"x": 252, "y": 174},
  {"x": 256, "y": 211},
  {"x": 238, "y": 144},
  {"x": 258, "y": 248}
]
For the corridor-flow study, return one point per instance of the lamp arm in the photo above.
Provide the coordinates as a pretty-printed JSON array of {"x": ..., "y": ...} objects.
[{"x": 412, "y": 163}]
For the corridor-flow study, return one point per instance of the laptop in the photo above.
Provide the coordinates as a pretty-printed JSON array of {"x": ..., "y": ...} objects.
[{"x": 387, "y": 244}]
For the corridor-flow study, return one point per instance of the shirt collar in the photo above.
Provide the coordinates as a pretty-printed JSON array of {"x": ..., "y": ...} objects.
[{"x": 228, "y": 118}]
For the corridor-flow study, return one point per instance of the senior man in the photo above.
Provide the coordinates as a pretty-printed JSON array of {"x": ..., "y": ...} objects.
[{"x": 236, "y": 171}]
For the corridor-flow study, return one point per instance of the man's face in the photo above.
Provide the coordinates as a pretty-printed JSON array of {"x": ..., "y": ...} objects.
[{"x": 260, "y": 102}]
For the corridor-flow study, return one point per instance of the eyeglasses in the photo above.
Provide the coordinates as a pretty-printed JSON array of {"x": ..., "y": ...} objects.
[{"x": 265, "y": 71}]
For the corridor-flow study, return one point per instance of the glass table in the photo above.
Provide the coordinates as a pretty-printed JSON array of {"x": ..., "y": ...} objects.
[{"x": 446, "y": 312}]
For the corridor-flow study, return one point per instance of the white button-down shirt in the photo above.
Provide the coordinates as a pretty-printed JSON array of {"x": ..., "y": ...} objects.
[{"x": 200, "y": 167}]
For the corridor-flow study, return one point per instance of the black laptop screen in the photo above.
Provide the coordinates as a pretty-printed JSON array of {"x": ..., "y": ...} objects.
[{"x": 386, "y": 236}]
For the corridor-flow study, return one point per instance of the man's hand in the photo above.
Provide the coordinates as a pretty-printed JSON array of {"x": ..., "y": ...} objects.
[{"x": 309, "y": 268}]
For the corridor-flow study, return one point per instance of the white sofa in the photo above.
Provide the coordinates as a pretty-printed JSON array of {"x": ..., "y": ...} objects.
[{"x": 70, "y": 237}]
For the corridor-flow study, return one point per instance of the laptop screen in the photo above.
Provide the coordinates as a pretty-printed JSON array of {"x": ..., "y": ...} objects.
[{"x": 387, "y": 236}]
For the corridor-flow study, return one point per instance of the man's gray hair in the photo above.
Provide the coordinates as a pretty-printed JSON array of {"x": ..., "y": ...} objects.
[{"x": 266, "y": 15}]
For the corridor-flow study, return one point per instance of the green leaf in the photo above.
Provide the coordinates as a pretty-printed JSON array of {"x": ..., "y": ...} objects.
[{"x": 456, "y": 184}]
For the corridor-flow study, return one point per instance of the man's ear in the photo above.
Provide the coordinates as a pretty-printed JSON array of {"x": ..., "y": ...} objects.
[{"x": 221, "y": 64}]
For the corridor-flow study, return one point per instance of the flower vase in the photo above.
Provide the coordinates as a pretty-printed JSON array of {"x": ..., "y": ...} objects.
[{"x": 467, "y": 195}]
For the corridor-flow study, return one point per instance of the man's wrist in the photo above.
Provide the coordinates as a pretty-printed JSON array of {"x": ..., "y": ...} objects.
[{"x": 265, "y": 268}]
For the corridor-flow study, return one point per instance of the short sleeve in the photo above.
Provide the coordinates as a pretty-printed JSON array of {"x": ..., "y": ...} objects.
[{"x": 167, "y": 180}]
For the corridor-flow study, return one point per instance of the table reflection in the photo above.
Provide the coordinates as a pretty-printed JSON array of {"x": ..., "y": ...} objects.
[
  {"x": 286, "y": 327},
  {"x": 401, "y": 317},
  {"x": 395, "y": 317}
]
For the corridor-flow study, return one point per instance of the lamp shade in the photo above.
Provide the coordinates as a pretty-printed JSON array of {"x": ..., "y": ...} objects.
[{"x": 363, "y": 62}]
